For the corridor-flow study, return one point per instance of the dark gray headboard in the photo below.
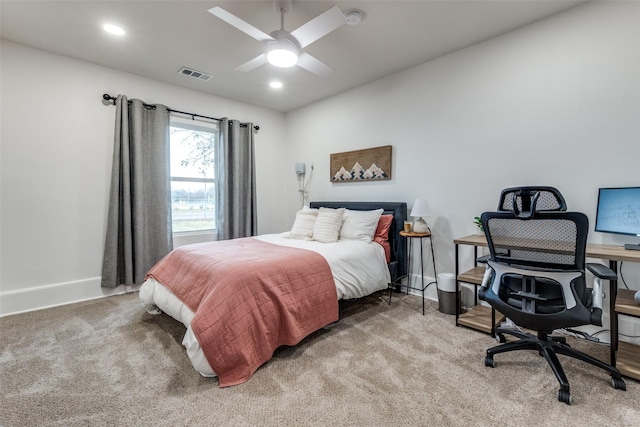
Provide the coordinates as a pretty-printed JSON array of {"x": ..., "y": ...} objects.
[{"x": 398, "y": 265}]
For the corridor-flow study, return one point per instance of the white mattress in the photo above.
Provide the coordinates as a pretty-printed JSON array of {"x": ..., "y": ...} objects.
[{"x": 358, "y": 269}]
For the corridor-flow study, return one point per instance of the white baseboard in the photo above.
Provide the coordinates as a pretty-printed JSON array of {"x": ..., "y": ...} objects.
[{"x": 46, "y": 296}]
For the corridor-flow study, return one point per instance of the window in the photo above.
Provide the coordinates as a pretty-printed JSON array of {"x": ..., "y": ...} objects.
[{"x": 193, "y": 184}]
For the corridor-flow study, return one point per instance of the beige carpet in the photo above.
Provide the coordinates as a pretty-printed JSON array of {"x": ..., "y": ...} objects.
[{"x": 109, "y": 363}]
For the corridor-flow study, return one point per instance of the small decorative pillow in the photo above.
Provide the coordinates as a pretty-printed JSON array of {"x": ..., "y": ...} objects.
[
  {"x": 360, "y": 225},
  {"x": 303, "y": 225},
  {"x": 382, "y": 235},
  {"x": 328, "y": 223},
  {"x": 384, "y": 224}
]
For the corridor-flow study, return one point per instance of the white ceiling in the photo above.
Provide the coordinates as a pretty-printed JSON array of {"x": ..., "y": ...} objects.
[{"x": 163, "y": 36}]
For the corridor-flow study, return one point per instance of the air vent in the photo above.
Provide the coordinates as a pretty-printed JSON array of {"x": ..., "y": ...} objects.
[{"x": 193, "y": 73}]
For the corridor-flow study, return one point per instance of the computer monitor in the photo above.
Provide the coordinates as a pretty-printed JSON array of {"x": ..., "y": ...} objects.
[{"x": 619, "y": 212}]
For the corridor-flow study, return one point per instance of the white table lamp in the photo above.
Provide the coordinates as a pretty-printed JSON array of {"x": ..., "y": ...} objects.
[{"x": 420, "y": 210}]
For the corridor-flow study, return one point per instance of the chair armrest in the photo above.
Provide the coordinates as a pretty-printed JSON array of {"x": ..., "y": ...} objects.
[
  {"x": 486, "y": 281},
  {"x": 602, "y": 272}
]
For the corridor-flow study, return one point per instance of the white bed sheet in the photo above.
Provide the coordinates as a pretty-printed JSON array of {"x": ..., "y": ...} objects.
[{"x": 359, "y": 269}]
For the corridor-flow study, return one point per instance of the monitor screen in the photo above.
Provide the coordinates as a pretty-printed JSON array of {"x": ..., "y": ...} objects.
[{"x": 619, "y": 211}]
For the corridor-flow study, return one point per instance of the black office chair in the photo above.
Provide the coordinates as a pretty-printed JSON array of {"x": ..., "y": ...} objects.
[{"x": 536, "y": 277}]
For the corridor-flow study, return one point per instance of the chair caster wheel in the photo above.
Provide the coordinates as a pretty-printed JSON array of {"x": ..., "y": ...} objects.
[
  {"x": 618, "y": 384},
  {"x": 500, "y": 338},
  {"x": 564, "y": 396},
  {"x": 488, "y": 361}
]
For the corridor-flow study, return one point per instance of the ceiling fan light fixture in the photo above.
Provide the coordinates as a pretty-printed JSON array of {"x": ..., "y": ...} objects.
[
  {"x": 282, "y": 53},
  {"x": 283, "y": 58}
]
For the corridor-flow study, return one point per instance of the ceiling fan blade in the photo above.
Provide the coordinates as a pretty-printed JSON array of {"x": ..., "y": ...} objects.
[
  {"x": 253, "y": 64},
  {"x": 240, "y": 24},
  {"x": 314, "y": 65},
  {"x": 319, "y": 26}
]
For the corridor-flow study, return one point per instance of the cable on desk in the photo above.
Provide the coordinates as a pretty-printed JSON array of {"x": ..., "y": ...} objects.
[{"x": 621, "y": 276}]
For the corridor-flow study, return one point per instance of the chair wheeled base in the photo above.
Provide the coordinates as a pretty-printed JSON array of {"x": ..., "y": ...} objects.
[{"x": 549, "y": 347}]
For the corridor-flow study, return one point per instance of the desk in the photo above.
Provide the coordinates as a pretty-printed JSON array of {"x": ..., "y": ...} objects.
[
  {"x": 629, "y": 354},
  {"x": 411, "y": 236}
]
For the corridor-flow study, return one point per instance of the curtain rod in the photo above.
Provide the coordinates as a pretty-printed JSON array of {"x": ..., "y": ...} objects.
[{"x": 108, "y": 97}]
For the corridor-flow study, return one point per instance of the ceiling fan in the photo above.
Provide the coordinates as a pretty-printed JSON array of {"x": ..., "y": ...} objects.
[{"x": 284, "y": 48}]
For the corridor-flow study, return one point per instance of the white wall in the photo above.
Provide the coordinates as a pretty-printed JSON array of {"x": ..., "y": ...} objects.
[
  {"x": 57, "y": 145},
  {"x": 554, "y": 103}
]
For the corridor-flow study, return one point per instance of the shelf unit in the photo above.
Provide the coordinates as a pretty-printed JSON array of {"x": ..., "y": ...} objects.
[
  {"x": 627, "y": 355},
  {"x": 479, "y": 317},
  {"x": 624, "y": 356}
]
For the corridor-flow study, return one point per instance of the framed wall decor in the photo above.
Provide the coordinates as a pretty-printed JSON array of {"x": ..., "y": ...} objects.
[{"x": 371, "y": 164}]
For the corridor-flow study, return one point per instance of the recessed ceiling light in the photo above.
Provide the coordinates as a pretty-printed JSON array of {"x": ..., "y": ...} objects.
[
  {"x": 276, "y": 85},
  {"x": 113, "y": 29}
]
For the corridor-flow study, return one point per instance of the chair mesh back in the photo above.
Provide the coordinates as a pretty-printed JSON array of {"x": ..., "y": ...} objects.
[{"x": 552, "y": 240}]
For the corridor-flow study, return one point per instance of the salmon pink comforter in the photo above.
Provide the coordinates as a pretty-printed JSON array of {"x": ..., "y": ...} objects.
[{"x": 249, "y": 297}]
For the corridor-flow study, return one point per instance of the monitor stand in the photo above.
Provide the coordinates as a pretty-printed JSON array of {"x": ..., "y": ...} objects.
[{"x": 632, "y": 247}]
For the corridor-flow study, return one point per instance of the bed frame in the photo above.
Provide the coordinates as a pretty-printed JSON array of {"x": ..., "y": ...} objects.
[{"x": 398, "y": 264}]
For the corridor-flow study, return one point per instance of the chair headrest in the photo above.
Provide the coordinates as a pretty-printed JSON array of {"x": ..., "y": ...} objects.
[{"x": 525, "y": 201}]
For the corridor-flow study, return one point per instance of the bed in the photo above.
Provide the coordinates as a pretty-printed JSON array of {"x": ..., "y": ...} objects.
[{"x": 241, "y": 299}]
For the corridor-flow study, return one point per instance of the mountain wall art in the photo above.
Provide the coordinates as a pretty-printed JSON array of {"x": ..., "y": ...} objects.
[{"x": 371, "y": 164}]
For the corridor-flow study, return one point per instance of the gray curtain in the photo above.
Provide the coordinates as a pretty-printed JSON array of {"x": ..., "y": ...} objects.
[
  {"x": 236, "y": 177},
  {"x": 139, "y": 218}
]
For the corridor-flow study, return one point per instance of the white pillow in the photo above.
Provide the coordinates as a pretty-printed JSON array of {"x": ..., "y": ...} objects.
[
  {"x": 328, "y": 223},
  {"x": 303, "y": 225},
  {"x": 360, "y": 225}
]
